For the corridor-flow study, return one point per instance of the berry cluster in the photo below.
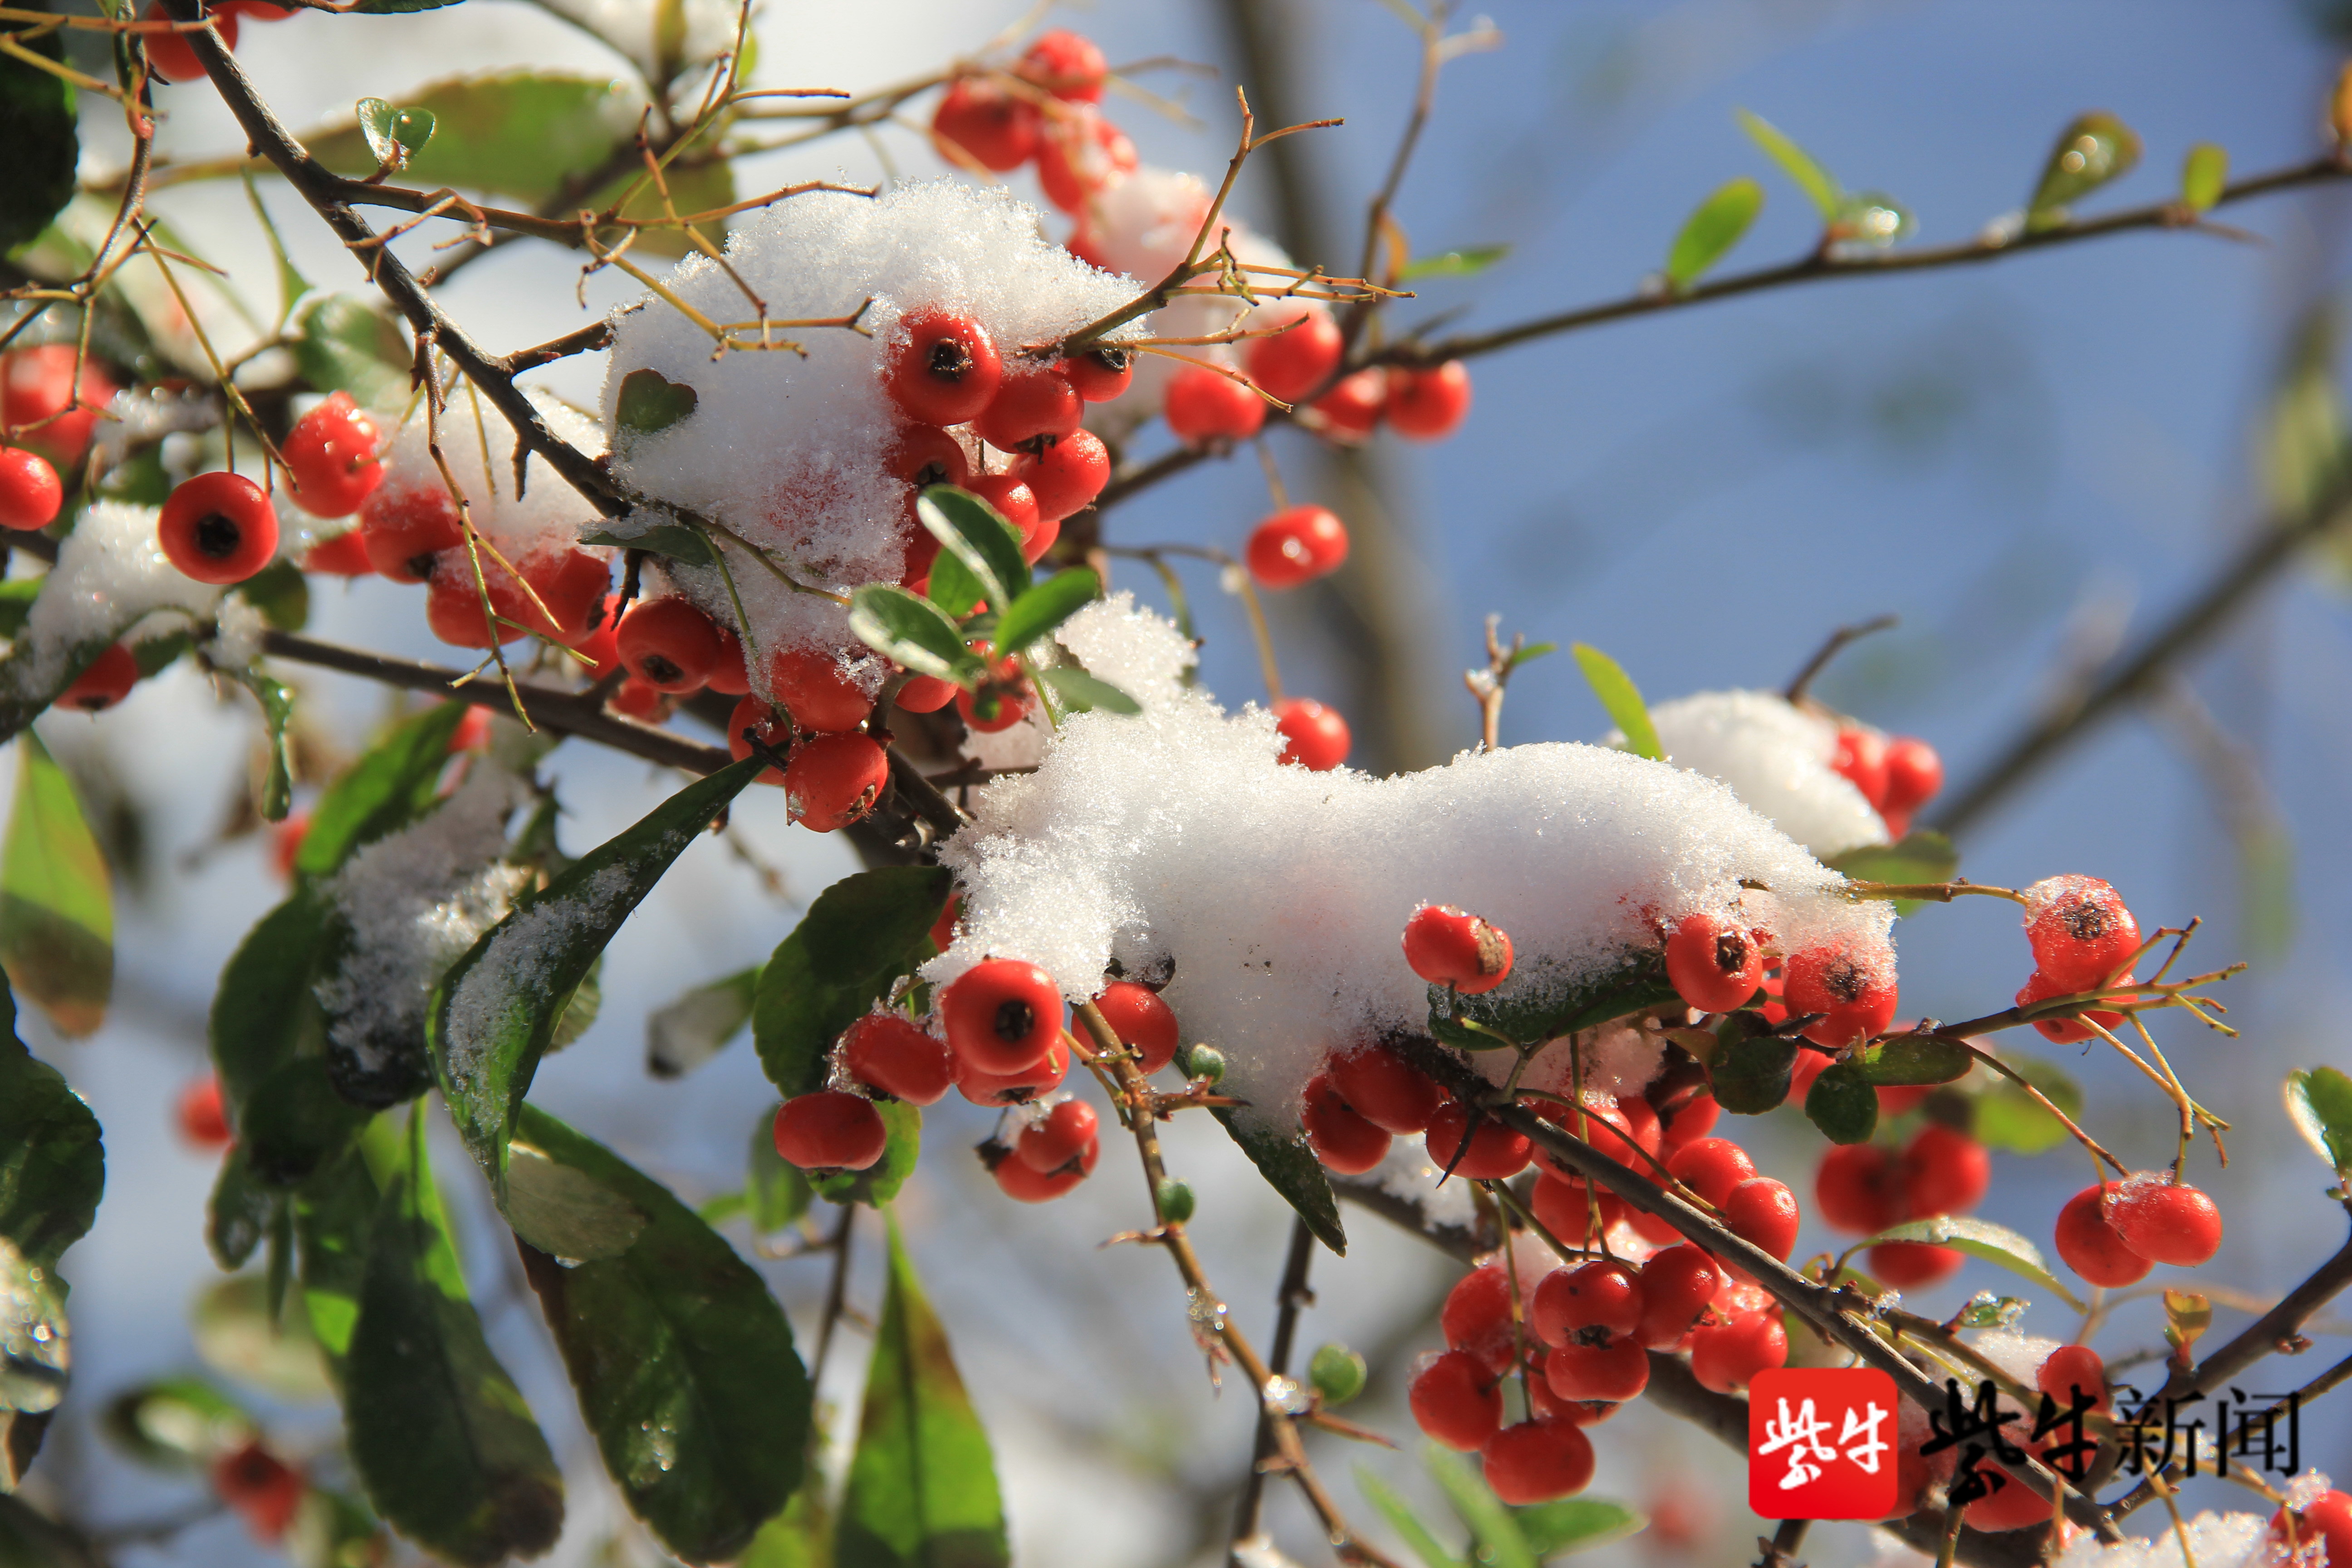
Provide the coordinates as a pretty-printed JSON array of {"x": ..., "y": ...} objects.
[
  {"x": 2112, "y": 1233},
  {"x": 1864, "y": 1188},
  {"x": 51, "y": 397},
  {"x": 1897, "y": 774}
]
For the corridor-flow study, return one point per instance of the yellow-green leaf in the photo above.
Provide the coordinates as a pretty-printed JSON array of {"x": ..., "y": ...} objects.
[
  {"x": 1710, "y": 232},
  {"x": 2204, "y": 175},
  {"x": 1799, "y": 165},
  {"x": 1622, "y": 699},
  {"x": 2095, "y": 148},
  {"x": 57, "y": 908}
]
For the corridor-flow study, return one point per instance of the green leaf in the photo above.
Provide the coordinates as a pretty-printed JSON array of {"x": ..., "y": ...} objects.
[
  {"x": 1817, "y": 183},
  {"x": 1467, "y": 263},
  {"x": 2319, "y": 1103},
  {"x": 294, "y": 1122},
  {"x": 393, "y": 136},
  {"x": 1923, "y": 856},
  {"x": 859, "y": 936},
  {"x": 1577, "y": 1524},
  {"x": 263, "y": 1013},
  {"x": 1529, "y": 1007},
  {"x": 1500, "y": 1544},
  {"x": 976, "y": 534},
  {"x": 277, "y": 714},
  {"x": 1404, "y": 1521},
  {"x": 240, "y": 1212},
  {"x": 57, "y": 907},
  {"x": 281, "y": 593},
  {"x": 800, "y": 1536},
  {"x": 439, "y": 1433},
  {"x": 291, "y": 287},
  {"x": 29, "y": 1539},
  {"x": 1983, "y": 1238},
  {"x": 1620, "y": 699},
  {"x": 390, "y": 787},
  {"x": 36, "y": 1356},
  {"x": 16, "y": 595},
  {"x": 922, "y": 1485},
  {"x": 398, "y": 7},
  {"x": 1713, "y": 230},
  {"x": 236, "y": 1335},
  {"x": 952, "y": 587},
  {"x": 1337, "y": 1373},
  {"x": 649, "y": 403},
  {"x": 1750, "y": 1075},
  {"x": 675, "y": 540},
  {"x": 1290, "y": 1168},
  {"x": 495, "y": 1012},
  {"x": 39, "y": 128},
  {"x": 2095, "y": 148},
  {"x": 175, "y": 1424},
  {"x": 1042, "y": 608},
  {"x": 333, "y": 1214},
  {"x": 1843, "y": 1104},
  {"x": 698, "y": 1024},
  {"x": 518, "y": 134},
  {"x": 880, "y": 1182},
  {"x": 775, "y": 1193},
  {"x": 2204, "y": 175},
  {"x": 1083, "y": 693},
  {"x": 2009, "y": 1119},
  {"x": 52, "y": 1161},
  {"x": 683, "y": 1360},
  {"x": 1914, "y": 1059},
  {"x": 349, "y": 345},
  {"x": 913, "y": 632}
]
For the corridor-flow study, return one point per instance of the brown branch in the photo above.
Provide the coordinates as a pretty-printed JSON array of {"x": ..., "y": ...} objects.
[{"x": 1293, "y": 1295}]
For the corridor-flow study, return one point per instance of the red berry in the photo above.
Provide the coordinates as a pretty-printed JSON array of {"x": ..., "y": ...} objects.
[
  {"x": 472, "y": 734},
  {"x": 816, "y": 689},
  {"x": 103, "y": 683},
  {"x": 1078, "y": 155},
  {"x": 1624, "y": 1130},
  {"x": 830, "y": 1131},
  {"x": 1725, "y": 1356},
  {"x": 1067, "y": 475},
  {"x": 403, "y": 531},
  {"x": 1713, "y": 966},
  {"x": 1543, "y": 1405},
  {"x": 941, "y": 368},
  {"x": 203, "y": 1119},
  {"x": 219, "y": 527},
  {"x": 1295, "y": 362},
  {"x": 574, "y": 586},
  {"x": 1859, "y": 1188},
  {"x": 1001, "y": 1015},
  {"x": 1457, "y": 1402},
  {"x": 1101, "y": 373},
  {"x": 1677, "y": 1283},
  {"x": 754, "y": 713},
  {"x": 1447, "y": 947},
  {"x": 1387, "y": 1090},
  {"x": 1686, "y": 1121},
  {"x": 1013, "y": 500},
  {"x": 1914, "y": 774},
  {"x": 1140, "y": 1019},
  {"x": 2070, "y": 1368},
  {"x": 1913, "y": 1265},
  {"x": 1067, "y": 1131},
  {"x": 988, "y": 125},
  {"x": 943, "y": 928},
  {"x": 30, "y": 494},
  {"x": 668, "y": 643},
  {"x": 1314, "y": 735},
  {"x": 2091, "y": 1246},
  {"x": 1564, "y": 1208},
  {"x": 1861, "y": 758},
  {"x": 2166, "y": 1222},
  {"x": 646, "y": 704},
  {"x": 1763, "y": 1211},
  {"x": 172, "y": 58},
  {"x": 1852, "y": 988},
  {"x": 1014, "y": 1088},
  {"x": 1477, "y": 1319},
  {"x": 1343, "y": 1140},
  {"x": 1024, "y": 1182},
  {"x": 1711, "y": 1167},
  {"x": 2079, "y": 932},
  {"x": 38, "y": 386},
  {"x": 2012, "y": 1505},
  {"x": 1894, "y": 1099},
  {"x": 1202, "y": 407},
  {"x": 1295, "y": 547},
  {"x": 924, "y": 456},
  {"x": 2328, "y": 1520},
  {"x": 887, "y": 1054},
  {"x": 730, "y": 677},
  {"x": 1001, "y": 701},
  {"x": 1029, "y": 403},
  {"x": 1943, "y": 1171},
  {"x": 1068, "y": 65},
  {"x": 565, "y": 604},
  {"x": 285, "y": 843},
  {"x": 1491, "y": 1153},
  {"x": 330, "y": 452},
  {"x": 2074, "y": 1030},
  {"x": 1593, "y": 1302},
  {"x": 344, "y": 555},
  {"x": 834, "y": 780},
  {"x": 926, "y": 694},
  {"x": 1351, "y": 410},
  {"x": 263, "y": 1489},
  {"x": 1538, "y": 1461},
  {"x": 1611, "y": 1370},
  {"x": 1429, "y": 404}
]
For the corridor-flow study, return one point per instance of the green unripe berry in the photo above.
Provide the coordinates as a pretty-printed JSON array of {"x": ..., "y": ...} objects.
[
  {"x": 1204, "y": 1063},
  {"x": 1337, "y": 1373},
  {"x": 1175, "y": 1201}
]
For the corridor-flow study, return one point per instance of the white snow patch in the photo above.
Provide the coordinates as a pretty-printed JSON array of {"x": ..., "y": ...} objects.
[
  {"x": 517, "y": 968},
  {"x": 2215, "y": 1541},
  {"x": 1776, "y": 757},
  {"x": 1408, "y": 1173},
  {"x": 237, "y": 642},
  {"x": 110, "y": 574}
]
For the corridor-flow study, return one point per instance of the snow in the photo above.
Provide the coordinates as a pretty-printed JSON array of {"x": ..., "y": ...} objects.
[
  {"x": 479, "y": 448},
  {"x": 415, "y": 900},
  {"x": 518, "y": 965},
  {"x": 1776, "y": 757},
  {"x": 1279, "y": 894},
  {"x": 236, "y": 637},
  {"x": 110, "y": 575},
  {"x": 2215, "y": 1541}
]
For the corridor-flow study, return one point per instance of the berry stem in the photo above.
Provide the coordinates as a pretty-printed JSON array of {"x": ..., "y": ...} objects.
[{"x": 2039, "y": 1098}]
